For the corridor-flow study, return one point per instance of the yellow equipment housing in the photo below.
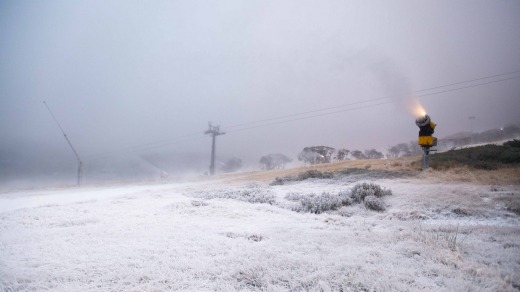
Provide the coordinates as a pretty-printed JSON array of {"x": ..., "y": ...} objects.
[{"x": 428, "y": 141}]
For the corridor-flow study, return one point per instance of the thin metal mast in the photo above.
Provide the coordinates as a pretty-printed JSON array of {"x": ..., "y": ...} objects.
[{"x": 80, "y": 163}]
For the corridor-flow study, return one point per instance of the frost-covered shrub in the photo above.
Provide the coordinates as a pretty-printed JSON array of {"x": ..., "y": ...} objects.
[
  {"x": 314, "y": 174},
  {"x": 251, "y": 195},
  {"x": 361, "y": 191},
  {"x": 295, "y": 197},
  {"x": 374, "y": 203},
  {"x": 319, "y": 204},
  {"x": 251, "y": 278},
  {"x": 346, "y": 198},
  {"x": 345, "y": 212},
  {"x": 198, "y": 203},
  {"x": 364, "y": 193},
  {"x": 278, "y": 181},
  {"x": 309, "y": 174},
  {"x": 255, "y": 237}
]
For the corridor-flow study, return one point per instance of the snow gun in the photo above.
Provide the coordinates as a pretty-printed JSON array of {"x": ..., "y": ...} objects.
[
  {"x": 426, "y": 129},
  {"x": 426, "y": 139}
]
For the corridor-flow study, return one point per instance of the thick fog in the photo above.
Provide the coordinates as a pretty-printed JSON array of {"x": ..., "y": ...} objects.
[{"x": 128, "y": 79}]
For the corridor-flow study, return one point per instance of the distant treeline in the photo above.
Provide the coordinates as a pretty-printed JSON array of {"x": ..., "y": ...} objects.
[
  {"x": 325, "y": 154},
  {"x": 457, "y": 140}
]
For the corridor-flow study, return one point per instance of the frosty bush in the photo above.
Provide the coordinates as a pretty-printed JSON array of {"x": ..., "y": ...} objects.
[
  {"x": 346, "y": 198},
  {"x": 309, "y": 174},
  {"x": 251, "y": 278},
  {"x": 314, "y": 174},
  {"x": 361, "y": 191},
  {"x": 346, "y": 175},
  {"x": 295, "y": 197},
  {"x": 318, "y": 204},
  {"x": 367, "y": 193},
  {"x": 252, "y": 195},
  {"x": 374, "y": 203},
  {"x": 278, "y": 181}
]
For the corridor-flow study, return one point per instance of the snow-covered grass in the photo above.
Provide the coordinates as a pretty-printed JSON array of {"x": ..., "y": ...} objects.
[{"x": 221, "y": 236}]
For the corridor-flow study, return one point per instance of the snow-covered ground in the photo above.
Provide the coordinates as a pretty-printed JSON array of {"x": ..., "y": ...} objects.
[{"x": 214, "y": 235}]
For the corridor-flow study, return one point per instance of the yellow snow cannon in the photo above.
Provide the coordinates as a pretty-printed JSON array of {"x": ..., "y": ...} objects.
[{"x": 426, "y": 129}]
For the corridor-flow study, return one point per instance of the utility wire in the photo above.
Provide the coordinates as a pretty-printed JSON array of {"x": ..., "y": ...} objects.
[
  {"x": 372, "y": 105},
  {"x": 167, "y": 142},
  {"x": 369, "y": 100},
  {"x": 303, "y": 113},
  {"x": 284, "y": 119},
  {"x": 309, "y": 117},
  {"x": 468, "y": 81},
  {"x": 469, "y": 86}
]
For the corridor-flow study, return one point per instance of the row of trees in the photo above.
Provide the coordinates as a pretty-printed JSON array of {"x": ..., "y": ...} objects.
[
  {"x": 274, "y": 161},
  {"x": 309, "y": 155},
  {"x": 324, "y": 154},
  {"x": 267, "y": 162},
  {"x": 456, "y": 140},
  {"x": 404, "y": 149},
  {"x": 317, "y": 154}
]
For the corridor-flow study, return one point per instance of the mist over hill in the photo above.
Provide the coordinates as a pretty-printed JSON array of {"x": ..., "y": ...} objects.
[{"x": 45, "y": 165}]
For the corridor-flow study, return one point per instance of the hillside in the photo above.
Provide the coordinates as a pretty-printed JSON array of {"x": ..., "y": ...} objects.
[
  {"x": 456, "y": 169},
  {"x": 428, "y": 231}
]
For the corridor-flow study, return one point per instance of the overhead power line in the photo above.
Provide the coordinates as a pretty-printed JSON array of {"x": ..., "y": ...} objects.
[
  {"x": 376, "y": 99},
  {"x": 468, "y": 81},
  {"x": 371, "y": 105},
  {"x": 305, "y": 115},
  {"x": 309, "y": 117},
  {"x": 469, "y": 86}
]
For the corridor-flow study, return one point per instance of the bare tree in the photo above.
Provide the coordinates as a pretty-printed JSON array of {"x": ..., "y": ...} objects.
[
  {"x": 232, "y": 164},
  {"x": 342, "y": 154},
  {"x": 275, "y": 160},
  {"x": 414, "y": 148},
  {"x": 373, "y": 154},
  {"x": 316, "y": 154},
  {"x": 358, "y": 155},
  {"x": 399, "y": 150}
]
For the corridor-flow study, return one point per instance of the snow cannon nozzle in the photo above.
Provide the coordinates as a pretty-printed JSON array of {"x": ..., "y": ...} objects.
[
  {"x": 423, "y": 121},
  {"x": 426, "y": 129}
]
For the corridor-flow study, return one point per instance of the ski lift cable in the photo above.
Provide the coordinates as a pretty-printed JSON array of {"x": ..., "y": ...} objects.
[
  {"x": 286, "y": 118},
  {"x": 368, "y": 100}
]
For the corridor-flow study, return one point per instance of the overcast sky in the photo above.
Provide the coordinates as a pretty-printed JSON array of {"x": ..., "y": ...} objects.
[{"x": 124, "y": 73}]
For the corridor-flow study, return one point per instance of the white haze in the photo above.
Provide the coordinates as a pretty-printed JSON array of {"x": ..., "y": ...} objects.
[{"x": 124, "y": 73}]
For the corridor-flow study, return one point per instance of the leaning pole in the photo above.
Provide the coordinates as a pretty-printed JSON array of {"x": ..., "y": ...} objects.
[{"x": 80, "y": 163}]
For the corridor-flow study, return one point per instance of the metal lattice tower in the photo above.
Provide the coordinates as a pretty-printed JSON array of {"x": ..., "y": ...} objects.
[{"x": 214, "y": 131}]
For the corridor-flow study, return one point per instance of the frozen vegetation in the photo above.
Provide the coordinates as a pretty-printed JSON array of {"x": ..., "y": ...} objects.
[{"x": 359, "y": 231}]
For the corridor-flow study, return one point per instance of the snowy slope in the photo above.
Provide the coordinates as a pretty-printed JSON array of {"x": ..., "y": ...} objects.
[{"x": 203, "y": 236}]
